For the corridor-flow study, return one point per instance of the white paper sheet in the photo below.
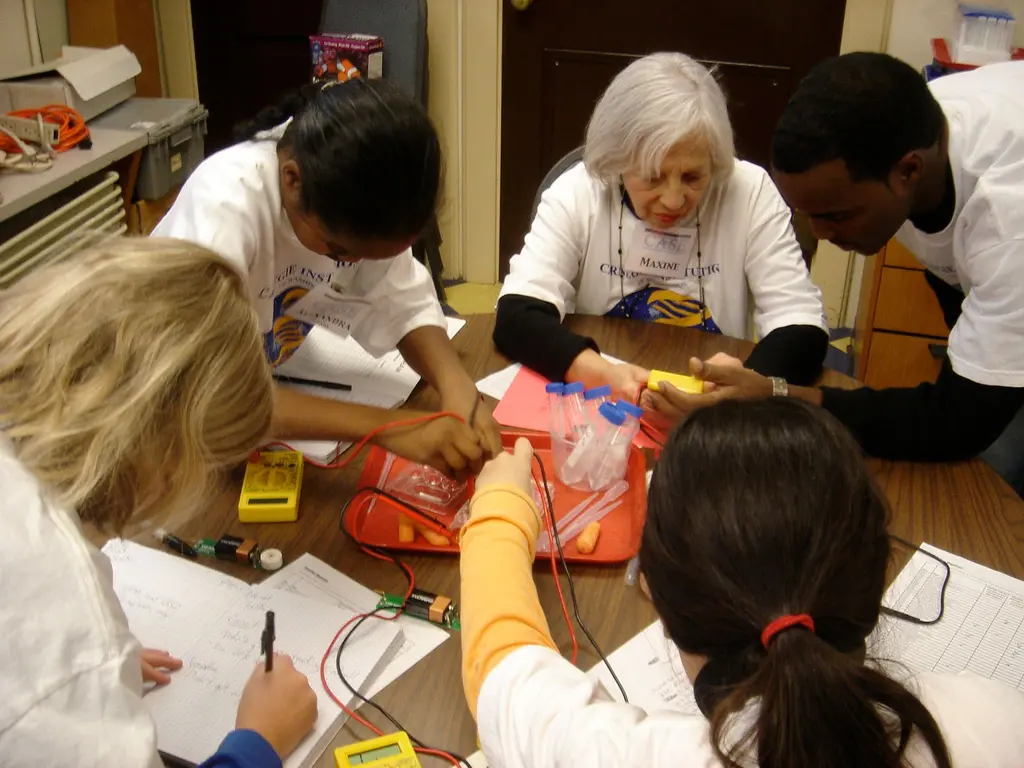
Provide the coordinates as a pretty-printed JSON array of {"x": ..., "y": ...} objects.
[
  {"x": 214, "y": 624},
  {"x": 649, "y": 667},
  {"x": 311, "y": 577},
  {"x": 497, "y": 384},
  {"x": 982, "y": 629},
  {"x": 382, "y": 382}
]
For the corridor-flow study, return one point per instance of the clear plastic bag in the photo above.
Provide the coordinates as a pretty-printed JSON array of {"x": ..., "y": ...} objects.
[{"x": 428, "y": 489}]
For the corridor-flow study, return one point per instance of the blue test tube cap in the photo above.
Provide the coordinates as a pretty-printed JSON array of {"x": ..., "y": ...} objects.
[
  {"x": 629, "y": 409},
  {"x": 596, "y": 392},
  {"x": 613, "y": 414},
  {"x": 573, "y": 389},
  {"x": 555, "y": 388}
]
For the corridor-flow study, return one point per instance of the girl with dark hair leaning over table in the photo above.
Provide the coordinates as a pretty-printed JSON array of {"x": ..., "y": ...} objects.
[
  {"x": 318, "y": 204},
  {"x": 764, "y": 552}
]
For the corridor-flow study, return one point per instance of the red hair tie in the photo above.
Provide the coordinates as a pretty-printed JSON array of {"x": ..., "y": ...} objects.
[{"x": 783, "y": 623}]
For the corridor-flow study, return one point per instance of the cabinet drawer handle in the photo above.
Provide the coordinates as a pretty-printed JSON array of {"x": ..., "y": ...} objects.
[{"x": 938, "y": 350}]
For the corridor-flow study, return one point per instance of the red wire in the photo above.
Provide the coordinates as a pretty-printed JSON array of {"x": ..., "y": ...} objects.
[
  {"x": 549, "y": 524},
  {"x": 362, "y": 443}
]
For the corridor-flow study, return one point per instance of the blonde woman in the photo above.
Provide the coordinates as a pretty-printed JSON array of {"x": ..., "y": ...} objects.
[
  {"x": 128, "y": 378},
  {"x": 661, "y": 223}
]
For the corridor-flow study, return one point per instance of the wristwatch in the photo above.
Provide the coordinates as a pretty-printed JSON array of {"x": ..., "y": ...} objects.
[{"x": 780, "y": 387}]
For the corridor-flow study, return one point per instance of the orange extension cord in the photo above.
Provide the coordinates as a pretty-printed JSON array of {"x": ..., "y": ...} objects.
[{"x": 73, "y": 130}]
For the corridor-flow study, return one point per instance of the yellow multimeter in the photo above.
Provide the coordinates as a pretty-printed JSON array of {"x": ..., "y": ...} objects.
[
  {"x": 677, "y": 380},
  {"x": 270, "y": 490},
  {"x": 391, "y": 751}
]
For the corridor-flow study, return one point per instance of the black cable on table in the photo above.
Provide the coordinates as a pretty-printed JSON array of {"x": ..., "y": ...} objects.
[
  {"x": 942, "y": 590},
  {"x": 572, "y": 586},
  {"x": 341, "y": 646}
]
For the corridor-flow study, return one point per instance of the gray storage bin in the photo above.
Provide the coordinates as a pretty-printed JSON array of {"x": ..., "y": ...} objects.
[{"x": 176, "y": 128}]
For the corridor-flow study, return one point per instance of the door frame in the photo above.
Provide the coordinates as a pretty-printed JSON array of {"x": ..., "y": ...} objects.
[{"x": 865, "y": 27}]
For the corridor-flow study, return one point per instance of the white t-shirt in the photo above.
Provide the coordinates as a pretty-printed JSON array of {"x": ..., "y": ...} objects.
[
  {"x": 536, "y": 710},
  {"x": 748, "y": 251},
  {"x": 232, "y": 205},
  {"x": 982, "y": 249},
  {"x": 69, "y": 667}
]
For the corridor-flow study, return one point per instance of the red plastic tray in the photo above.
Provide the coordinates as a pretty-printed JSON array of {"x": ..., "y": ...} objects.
[{"x": 374, "y": 520}]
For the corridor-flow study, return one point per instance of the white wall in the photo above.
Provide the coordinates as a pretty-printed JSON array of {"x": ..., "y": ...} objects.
[{"x": 916, "y": 22}]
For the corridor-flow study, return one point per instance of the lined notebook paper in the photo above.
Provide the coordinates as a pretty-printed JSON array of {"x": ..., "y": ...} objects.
[{"x": 213, "y": 622}]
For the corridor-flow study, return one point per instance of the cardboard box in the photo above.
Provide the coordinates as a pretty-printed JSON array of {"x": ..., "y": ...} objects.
[
  {"x": 90, "y": 80},
  {"x": 344, "y": 57}
]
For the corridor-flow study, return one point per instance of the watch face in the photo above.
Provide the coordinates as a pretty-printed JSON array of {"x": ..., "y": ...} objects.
[{"x": 780, "y": 388}]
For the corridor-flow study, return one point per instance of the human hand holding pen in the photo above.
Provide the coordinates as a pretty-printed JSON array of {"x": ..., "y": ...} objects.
[{"x": 278, "y": 704}]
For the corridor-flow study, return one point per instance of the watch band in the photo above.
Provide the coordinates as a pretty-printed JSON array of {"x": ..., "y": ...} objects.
[{"x": 780, "y": 387}]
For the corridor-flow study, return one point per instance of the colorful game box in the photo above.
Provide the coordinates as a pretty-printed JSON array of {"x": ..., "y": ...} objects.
[{"x": 345, "y": 57}]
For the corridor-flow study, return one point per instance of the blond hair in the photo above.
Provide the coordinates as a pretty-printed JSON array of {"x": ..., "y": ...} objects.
[{"x": 130, "y": 375}]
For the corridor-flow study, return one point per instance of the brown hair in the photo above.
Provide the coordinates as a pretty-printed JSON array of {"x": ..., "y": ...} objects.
[
  {"x": 764, "y": 509},
  {"x": 130, "y": 375}
]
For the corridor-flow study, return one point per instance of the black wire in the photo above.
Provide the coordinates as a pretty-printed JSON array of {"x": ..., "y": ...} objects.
[
  {"x": 942, "y": 590},
  {"x": 405, "y": 572},
  {"x": 572, "y": 586}
]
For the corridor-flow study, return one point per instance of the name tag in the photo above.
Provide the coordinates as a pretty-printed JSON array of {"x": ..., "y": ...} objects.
[
  {"x": 661, "y": 253},
  {"x": 332, "y": 308}
]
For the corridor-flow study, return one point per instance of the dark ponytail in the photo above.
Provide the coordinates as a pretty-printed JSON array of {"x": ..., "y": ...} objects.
[
  {"x": 369, "y": 158},
  {"x": 765, "y": 509}
]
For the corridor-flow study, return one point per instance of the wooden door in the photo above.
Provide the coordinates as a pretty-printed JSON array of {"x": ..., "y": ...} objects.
[
  {"x": 249, "y": 53},
  {"x": 559, "y": 55}
]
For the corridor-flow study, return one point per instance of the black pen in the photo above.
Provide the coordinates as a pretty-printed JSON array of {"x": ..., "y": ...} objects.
[
  {"x": 174, "y": 543},
  {"x": 311, "y": 383},
  {"x": 268, "y": 642}
]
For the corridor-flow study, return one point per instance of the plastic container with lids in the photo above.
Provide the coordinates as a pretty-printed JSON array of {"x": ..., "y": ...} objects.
[{"x": 176, "y": 128}]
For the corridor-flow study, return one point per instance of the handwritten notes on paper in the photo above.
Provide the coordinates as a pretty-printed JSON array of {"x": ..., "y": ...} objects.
[
  {"x": 213, "y": 623},
  {"x": 311, "y": 577}
]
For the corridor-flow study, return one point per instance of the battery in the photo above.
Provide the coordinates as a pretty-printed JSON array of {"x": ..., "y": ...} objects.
[{"x": 437, "y": 609}]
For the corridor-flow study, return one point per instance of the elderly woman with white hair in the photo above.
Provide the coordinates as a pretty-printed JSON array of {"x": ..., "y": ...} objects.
[{"x": 661, "y": 222}]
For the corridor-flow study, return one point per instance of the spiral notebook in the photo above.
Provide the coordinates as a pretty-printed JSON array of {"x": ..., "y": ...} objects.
[{"x": 213, "y": 622}]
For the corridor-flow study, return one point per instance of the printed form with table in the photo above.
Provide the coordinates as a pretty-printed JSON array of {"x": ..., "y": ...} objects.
[{"x": 213, "y": 621}]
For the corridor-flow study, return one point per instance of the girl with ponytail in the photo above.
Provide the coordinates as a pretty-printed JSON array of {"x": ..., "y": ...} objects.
[
  {"x": 318, "y": 205},
  {"x": 764, "y": 553}
]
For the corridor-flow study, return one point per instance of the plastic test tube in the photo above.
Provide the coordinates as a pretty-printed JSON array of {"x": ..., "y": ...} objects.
[
  {"x": 556, "y": 422},
  {"x": 611, "y": 444},
  {"x": 633, "y": 415},
  {"x": 593, "y": 399},
  {"x": 575, "y": 415}
]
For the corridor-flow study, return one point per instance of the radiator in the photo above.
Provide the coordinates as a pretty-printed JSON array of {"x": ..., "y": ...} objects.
[{"x": 92, "y": 217}]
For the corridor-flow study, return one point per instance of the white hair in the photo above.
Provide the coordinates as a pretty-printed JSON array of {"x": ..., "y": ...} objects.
[{"x": 651, "y": 106}]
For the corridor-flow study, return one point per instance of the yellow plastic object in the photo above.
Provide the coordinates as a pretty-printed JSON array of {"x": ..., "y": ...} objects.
[
  {"x": 677, "y": 380},
  {"x": 391, "y": 751},
  {"x": 270, "y": 491}
]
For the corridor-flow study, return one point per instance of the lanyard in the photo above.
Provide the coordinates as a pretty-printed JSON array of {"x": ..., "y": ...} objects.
[{"x": 627, "y": 308}]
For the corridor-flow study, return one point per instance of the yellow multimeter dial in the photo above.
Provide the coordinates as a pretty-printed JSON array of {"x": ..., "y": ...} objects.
[
  {"x": 391, "y": 751},
  {"x": 270, "y": 491}
]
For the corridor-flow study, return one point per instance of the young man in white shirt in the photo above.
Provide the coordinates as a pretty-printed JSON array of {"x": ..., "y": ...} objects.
[{"x": 869, "y": 151}]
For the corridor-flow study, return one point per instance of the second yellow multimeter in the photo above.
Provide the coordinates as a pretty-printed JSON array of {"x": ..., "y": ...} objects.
[
  {"x": 391, "y": 751},
  {"x": 270, "y": 491},
  {"x": 679, "y": 381}
]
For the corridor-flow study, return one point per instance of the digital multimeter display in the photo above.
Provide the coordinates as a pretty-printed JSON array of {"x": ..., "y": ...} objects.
[
  {"x": 375, "y": 754},
  {"x": 282, "y": 500}
]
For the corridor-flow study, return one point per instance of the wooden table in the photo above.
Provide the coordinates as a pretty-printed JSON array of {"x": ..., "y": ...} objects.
[{"x": 965, "y": 508}]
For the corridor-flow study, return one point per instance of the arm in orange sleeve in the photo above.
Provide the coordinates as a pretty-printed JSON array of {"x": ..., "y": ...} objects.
[{"x": 500, "y": 609}]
